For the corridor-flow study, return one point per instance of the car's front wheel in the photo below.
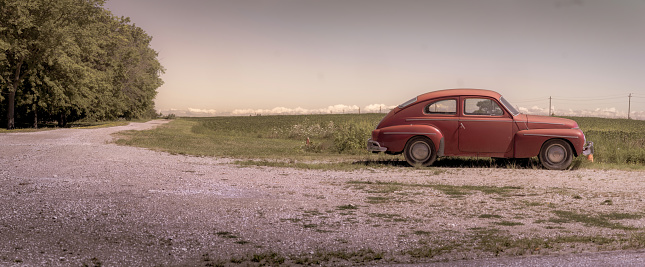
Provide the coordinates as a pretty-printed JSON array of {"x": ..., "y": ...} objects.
[
  {"x": 556, "y": 154},
  {"x": 420, "y": 152}
]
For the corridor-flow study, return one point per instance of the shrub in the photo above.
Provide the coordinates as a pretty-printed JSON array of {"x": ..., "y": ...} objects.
[{"x": 351, "y": 136}]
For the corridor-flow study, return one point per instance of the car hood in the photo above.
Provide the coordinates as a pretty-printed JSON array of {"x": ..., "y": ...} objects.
[{"x": 546, "y": 122}]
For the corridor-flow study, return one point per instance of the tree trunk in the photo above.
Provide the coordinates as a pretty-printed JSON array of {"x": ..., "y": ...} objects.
[
  {"x": 11, "y": 103},
  {"x": 35, "y": 116},
  {"x": 62, "y": 120},
  {"x": 11, "y": 100}
]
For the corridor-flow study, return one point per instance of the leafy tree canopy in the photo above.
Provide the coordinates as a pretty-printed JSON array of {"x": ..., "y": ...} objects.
[{"x": 72, "y": 59}]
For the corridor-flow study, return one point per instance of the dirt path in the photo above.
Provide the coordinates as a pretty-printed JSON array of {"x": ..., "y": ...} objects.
[{"x": 71, "y": 197}]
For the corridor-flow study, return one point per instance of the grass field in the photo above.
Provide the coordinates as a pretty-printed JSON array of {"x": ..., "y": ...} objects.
[{"x": 339, "y": 140}]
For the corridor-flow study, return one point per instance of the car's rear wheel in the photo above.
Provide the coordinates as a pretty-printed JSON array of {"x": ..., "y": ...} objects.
[
  {"x": 420, "y": 152},
  {"x": 556, "y": 154}
]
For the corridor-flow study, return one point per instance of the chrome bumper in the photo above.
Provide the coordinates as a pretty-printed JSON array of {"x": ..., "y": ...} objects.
[
  {"x": 587, "y": 149},
  {"x": 374, "y": 146}
]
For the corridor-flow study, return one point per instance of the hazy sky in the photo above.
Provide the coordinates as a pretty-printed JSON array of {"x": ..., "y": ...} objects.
[{"x": 246, "y": 56}]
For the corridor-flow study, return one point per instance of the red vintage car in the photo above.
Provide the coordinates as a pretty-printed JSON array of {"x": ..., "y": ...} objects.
[{"x": 475, "y": 123}]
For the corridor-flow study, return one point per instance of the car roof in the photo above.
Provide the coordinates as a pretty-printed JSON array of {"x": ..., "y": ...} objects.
[{"x": 458, "y": 92}]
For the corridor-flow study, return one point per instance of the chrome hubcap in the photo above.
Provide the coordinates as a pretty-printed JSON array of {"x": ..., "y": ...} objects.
[
  {"x": 420, "y": 151},
  {"x": 556, "y": 153}
]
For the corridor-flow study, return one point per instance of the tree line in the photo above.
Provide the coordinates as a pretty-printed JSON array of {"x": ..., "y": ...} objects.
[{"x": 67, "y": 60}]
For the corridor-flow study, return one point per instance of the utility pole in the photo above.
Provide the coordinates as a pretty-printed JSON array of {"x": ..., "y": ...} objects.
[
  {"x": 629, "y": 107},
  {"x": 550, "y": 106}
]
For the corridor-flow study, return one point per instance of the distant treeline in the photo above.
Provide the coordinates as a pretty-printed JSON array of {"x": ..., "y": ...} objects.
[{"x": 67, "y": 60}]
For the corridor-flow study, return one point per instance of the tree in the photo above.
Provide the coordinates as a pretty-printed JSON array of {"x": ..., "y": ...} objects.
[{"x": 72, "y": 59}]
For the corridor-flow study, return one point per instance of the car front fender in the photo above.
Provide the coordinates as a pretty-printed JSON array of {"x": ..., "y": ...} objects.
[
  {"x": 395, "y": 137},
  {"x": 529, "y": 142}
]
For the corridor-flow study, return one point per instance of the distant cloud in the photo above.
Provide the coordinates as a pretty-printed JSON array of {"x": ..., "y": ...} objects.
[
  {"x": 335, "y": 109},
  {"x": 191, "y": 112},
  {"x": 382, "y": 108},
  {"x": 202, "y": 111}
]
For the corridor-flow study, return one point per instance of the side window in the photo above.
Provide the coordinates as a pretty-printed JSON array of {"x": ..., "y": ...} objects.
[
  {"x": 482, "y": 106},
  {"x": 443, "y": 107}
]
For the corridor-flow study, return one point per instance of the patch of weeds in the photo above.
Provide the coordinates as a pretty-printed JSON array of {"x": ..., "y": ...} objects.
[
  {"x": 378, "y": 200},
  {"x": 592, "y": 221},
  {"x": 312, "y": 213},
  {"x": 532, "y": 203},
  {"x": 309, "y": 226},
  {"x": 488, "y": 216},
  {"x": 598, "y": 240},
  {"x": 451, "y": 190},
  {"x": 386, "y": 189},
  {"x": 94, "y": 262},
  {"x": 242, "y": 242},
  {"x": 237, "y": 260},
  {"x": 429, "y": 252},
  {"x": 435, "y": 171},
  {"x": 270, "y": 258},
  {"x": 347, "y": 207},
  {"x": 559, "y": 220},
  {"x": 577, "y": 197},
  {"x": 351, "y": 220},
  {"x": 421, "y": 232},
  {"x": 492, "y": 240},
  {"x": 360, "y": 257},
  {"x": 226, "y": 235},
  {"x": 635, "y": 241},
  {"x": 621, "y": 216},
  {"x": 508, "y": 223},
  {"x": 384, "y": 215}
]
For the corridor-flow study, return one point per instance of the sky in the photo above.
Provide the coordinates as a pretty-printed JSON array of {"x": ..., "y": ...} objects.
[{"x": 247, "y": 57}]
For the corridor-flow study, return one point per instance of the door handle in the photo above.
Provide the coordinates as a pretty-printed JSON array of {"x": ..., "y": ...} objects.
[{"x": 461, "y": 125}]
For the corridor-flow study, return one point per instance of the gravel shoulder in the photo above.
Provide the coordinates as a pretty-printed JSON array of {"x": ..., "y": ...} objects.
[{"x": 72, "y": 197}]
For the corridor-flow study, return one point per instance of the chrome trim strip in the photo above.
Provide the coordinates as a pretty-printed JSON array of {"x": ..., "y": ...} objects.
[
  {"x": 490, "y": 120},
  {"x": 552, "y": 123},
  {"x": 408, "y": 133},
  {"x": 552, "y": 135},
  {"x": 431, "y": 119}
]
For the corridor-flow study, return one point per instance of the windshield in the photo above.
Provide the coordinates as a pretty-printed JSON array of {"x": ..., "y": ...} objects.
[{"x": 508, "y": 106}]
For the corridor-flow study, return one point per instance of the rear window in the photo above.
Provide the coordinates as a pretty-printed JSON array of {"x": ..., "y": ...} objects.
[
  {"x": 442, "y": 107},
  {"x": 407, "y": 103}
]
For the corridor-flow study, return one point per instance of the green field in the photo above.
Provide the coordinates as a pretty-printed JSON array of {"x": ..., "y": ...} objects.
[{"x": 339, "y": 140}]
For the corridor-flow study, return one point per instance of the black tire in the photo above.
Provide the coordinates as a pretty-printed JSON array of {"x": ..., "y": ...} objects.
[
  {"x": 556, "y": 154},
  {"x": 420, "y": 152}
]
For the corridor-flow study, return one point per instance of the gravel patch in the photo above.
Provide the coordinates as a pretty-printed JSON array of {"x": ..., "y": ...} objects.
[{"x": 71, "y": 197}]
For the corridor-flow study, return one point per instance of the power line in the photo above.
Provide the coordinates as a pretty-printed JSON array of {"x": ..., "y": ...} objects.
[{"x": 589, "y": 99}]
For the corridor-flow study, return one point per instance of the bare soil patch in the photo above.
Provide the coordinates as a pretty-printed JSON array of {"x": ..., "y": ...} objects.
[{"x": 72, "y": 197}]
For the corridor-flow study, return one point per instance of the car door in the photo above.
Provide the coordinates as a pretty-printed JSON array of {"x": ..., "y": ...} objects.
[{"x": 484, "y": 127}]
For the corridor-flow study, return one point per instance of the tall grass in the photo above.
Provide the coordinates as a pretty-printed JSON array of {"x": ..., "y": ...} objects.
[
  {"x": 343, "y": 137},
  {"x": 616, "y": 141},
  {"x": 263, "y": 137}
]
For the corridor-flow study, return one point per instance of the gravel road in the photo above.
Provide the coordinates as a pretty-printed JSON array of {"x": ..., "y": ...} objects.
[{"x": 70, "y": 197}]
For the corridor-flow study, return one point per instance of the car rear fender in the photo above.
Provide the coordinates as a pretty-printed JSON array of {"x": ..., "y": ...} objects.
[
  {"x": 395, "y": 137},
  {"x": 529, "y": 142}
]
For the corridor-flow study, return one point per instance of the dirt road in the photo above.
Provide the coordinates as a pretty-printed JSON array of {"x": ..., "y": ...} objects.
[{"x": 71, "y": 197}]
